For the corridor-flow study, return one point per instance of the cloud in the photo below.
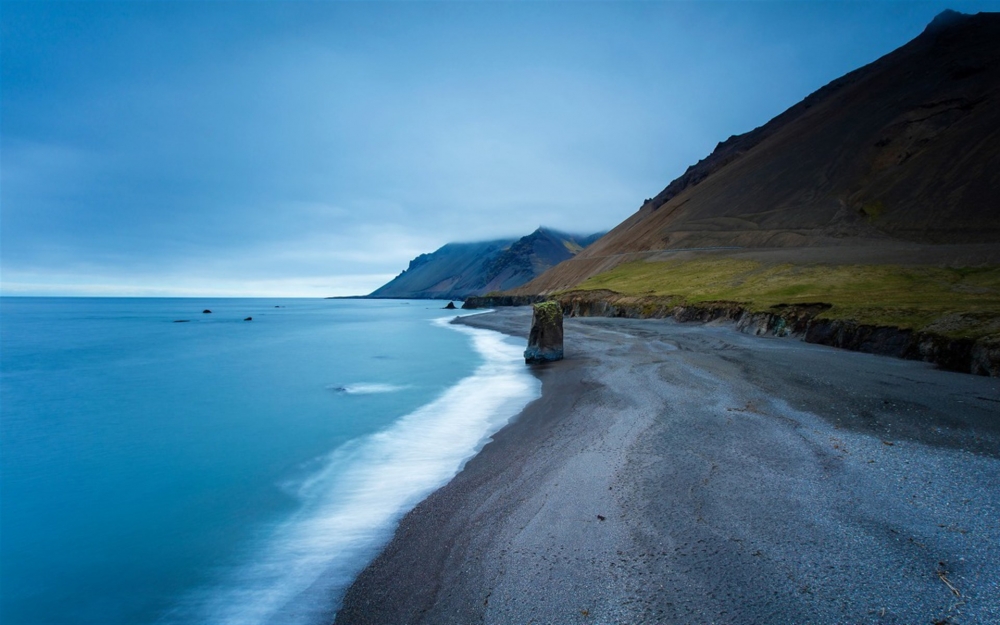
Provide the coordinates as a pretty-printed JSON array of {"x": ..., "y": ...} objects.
[
  {"x": 164, "y": 146},
  {"x": 79, "y": 283}
]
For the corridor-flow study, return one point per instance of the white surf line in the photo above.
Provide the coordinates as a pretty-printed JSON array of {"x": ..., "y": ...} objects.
[
  {"x": 368, "y": 388},
  {"x": 350, "y": 507}
]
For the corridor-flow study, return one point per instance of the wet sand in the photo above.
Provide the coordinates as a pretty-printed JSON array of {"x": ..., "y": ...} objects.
[{"x": 683, "y": 473}]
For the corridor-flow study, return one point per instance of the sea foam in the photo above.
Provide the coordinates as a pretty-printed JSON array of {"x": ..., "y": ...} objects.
[
  {"x": 350, "y": 507},
  {"x": 367, "y": 388}
]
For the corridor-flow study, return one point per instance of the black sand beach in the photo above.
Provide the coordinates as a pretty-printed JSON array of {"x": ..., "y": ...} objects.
[{"x": 682, "y": 473}]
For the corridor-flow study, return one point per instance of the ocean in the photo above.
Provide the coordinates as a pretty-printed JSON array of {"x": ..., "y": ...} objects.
[{"x": 226, "y": 471}]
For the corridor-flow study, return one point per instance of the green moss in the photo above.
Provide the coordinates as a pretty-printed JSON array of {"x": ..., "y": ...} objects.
[
  {"x": 548, "y": 312},
  {"x": 873, "y": 210},
  {"x": 963, "y": 302}
]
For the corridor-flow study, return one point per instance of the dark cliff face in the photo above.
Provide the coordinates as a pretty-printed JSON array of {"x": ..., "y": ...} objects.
[
  {"x": 459, "y": 270},
  {"x": 977, "y": 356},
  {"x": 905, "y": 149},
  {"x": 446, "y": 273},
  {"x": 529, "y": 257}
]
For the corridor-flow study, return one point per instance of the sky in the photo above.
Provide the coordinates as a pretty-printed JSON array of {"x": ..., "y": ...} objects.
[{"x": 238, "y": 148}]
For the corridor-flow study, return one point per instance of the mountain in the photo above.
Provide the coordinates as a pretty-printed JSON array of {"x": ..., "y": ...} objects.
[
  {"x": 902, "y": 155},
  {"x": 459, "y": 270}
]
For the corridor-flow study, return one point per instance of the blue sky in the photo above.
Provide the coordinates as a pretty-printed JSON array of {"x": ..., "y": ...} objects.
[{"x": 313, "y": 148}]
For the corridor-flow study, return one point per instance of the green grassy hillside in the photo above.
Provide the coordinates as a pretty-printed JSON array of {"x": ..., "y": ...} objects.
[{"x": 956, "y": 302}]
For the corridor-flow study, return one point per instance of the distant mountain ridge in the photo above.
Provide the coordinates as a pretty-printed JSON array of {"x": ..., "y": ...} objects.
[{"x": 458, "y": 270}]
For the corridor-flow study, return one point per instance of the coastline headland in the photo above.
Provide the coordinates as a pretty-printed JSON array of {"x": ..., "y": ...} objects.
[
  {"x": 979, "y": 355},
  {"x": 690, "y": 473}
]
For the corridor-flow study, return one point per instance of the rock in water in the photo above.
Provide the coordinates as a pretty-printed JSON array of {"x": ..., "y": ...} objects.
[
  {"x": 545, "y": 342},
  {"x": 450, "y": 306}
]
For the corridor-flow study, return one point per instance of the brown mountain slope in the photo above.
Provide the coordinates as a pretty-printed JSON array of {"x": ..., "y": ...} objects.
[{"x": 904, "y": 152}]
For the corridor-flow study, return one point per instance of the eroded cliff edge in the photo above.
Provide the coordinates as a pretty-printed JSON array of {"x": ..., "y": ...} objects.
[{"x": 979, "y": 356}]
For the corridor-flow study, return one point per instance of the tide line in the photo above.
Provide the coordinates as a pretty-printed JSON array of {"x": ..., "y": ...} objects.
[{"x": 351, "y": 506}]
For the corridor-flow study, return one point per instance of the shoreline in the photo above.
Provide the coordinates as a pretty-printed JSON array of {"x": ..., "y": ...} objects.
[
  {"x": 351, "y": 497},
  {"x": 693, "y": 473},
  {"x": 976, "y": 356}
]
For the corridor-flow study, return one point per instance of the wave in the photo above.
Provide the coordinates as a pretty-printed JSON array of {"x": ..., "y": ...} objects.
[
  {"x": 352, "y": 505},
  {"x": 367, "y": 388}
]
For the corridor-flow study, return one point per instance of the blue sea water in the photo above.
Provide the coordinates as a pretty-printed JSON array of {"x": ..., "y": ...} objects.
[{"x": 223, "y": 471}]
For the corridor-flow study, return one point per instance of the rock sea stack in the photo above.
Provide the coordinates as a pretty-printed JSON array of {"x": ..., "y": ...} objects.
[{"x": 545, "y": 341}]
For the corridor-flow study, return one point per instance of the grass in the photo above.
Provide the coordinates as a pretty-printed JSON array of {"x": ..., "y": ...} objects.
[
  {"x": 959, "y": 302},
  {"x": 873, "y": 210},
  {"x": 549, "y": 311}
]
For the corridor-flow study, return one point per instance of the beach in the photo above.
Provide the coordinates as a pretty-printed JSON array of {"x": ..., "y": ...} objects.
[{"x": 690, "y": 473}]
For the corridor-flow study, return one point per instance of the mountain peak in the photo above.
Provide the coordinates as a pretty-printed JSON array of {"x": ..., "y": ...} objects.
[
  {"x": 945, "y": 19},
  {"x": 458, "y": 270},
  {"x": 891, "y": 155}
]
